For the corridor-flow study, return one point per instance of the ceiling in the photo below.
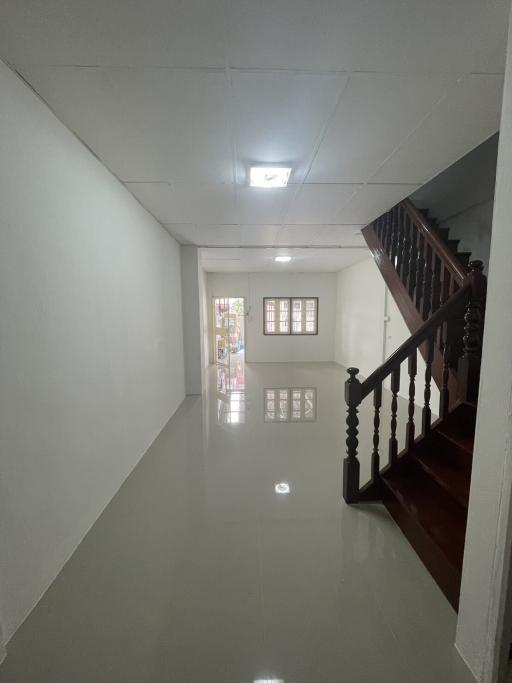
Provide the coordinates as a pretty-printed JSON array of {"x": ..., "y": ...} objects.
[{"x": 366, "y": 100}]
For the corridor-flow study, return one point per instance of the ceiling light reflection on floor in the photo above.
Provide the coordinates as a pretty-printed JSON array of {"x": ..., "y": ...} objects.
[
  {"x": 269, "y": 680},
  {"x": 283, "y": 487}
]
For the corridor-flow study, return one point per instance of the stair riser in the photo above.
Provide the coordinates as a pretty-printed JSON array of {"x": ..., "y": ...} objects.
[{"x": 446, "y": 576}]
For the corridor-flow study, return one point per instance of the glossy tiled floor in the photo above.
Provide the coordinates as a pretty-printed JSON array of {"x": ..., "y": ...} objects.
[{"x": 198, "y": 571}]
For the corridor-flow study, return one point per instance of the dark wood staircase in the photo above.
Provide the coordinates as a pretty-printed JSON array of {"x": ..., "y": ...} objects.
[{"x": 425, "y": 486}]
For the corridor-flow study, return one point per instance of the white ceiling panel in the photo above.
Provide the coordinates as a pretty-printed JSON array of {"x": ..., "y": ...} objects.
[
  {"x": 259, "y": 235},
  {"x": 182, "y": 203},
  {"x": 157, "y": 198},
  {"x": 303, "y": 260},
  {"x": 373, "y": 200},
  {"x": 278, "y": 117},
  {"x": 376, "y": 112},
  {"x": 459, "y": 36},
  {"x": 183, "y": 233},
  {"x": 339, "y": 235},
  {"x": 114, "y": 32},
  {"x": 205, "y": 204},
  {"x": 145, "y": 124},
  {"x": 316, "y": 203},
  {"x": 466, "y": 117},
  {"x": 258, "y": 205},
  {"x": 295, "y": 235}
]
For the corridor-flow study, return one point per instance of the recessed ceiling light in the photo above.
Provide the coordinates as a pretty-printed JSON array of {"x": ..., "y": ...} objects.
[
  {"x": 282, "y": 487},
  {"x": 283, "y": 259},
  {"x": 269, "y": 176}
]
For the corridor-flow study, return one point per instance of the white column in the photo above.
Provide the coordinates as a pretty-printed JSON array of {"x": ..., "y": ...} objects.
[{"x": 483, "y": 633}]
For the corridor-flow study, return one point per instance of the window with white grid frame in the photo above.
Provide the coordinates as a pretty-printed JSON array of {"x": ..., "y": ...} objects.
[{"x": 290, "y": 315}]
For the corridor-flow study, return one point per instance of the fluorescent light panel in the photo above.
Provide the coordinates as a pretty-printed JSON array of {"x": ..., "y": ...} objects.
[
  {"x": 283, "y": 259},
  {"x": 269, "y": 176}
]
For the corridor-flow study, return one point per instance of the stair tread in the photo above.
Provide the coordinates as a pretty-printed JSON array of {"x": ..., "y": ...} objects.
[
  {"x": 459, "y": 427},
  {"x": 441, "y": 518},
  {"x": 450, "y": 468}
]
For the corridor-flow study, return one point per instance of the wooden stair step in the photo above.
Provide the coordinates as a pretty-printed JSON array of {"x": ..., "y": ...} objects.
[
  {"x": 459, "y": 427},
  {"x": 432, "y": 521},
  {"x": 447, "y": 465}
]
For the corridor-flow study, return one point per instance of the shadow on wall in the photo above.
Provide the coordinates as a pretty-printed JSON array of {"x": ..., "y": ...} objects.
[{"x": 462, "y": 198}]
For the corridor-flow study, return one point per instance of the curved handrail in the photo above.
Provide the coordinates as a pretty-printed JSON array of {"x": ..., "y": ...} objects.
[
  {"x": 437, "y": 244},
  {"x": 422, "y": 334}
]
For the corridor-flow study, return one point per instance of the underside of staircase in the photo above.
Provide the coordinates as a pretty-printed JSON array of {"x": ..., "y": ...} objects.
[{"x": 425, "y": 486}]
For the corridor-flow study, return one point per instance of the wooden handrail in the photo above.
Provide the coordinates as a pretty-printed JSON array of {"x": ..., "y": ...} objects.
[
  {"x": 426, "y": 330},
  {"x": 443, "y": 304},
  {"x": 435, "y": 241}
]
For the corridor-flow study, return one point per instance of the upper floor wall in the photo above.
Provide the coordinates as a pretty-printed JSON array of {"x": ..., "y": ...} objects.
[{"x": 462, "y": 198}]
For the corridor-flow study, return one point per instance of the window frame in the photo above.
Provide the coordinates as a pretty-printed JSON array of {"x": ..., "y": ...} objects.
[{"x": 290, "y": 300}]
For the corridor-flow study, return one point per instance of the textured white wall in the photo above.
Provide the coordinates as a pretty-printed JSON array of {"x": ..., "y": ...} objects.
[
  {"x": 484, "y": 629},
  {"x": 262, "y": 348},
  {"x": 91, "y": 346}
]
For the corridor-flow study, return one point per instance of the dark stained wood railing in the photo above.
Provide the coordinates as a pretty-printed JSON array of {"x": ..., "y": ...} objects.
[
  {"x": 439, "y": 330},
  {"x": 421, "y": 272}
]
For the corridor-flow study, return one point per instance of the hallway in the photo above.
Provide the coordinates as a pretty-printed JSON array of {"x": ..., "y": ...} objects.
[{"x": 198, "y": 571}]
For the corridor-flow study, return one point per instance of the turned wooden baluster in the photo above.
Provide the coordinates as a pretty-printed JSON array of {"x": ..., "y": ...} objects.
[
  {"x": 413, "y": 261},
  {"x": 396, "y": 232},
  {"x": 444, "y": 400},
  {"x": 406, "y": 251},
  {"x": 445, "y": 285},
  {"x": 377, "y": 226},
  {"x": 468, "y": 373},
  {"x": 410, "y": 430},
  {"x": 420, "y": 272},
  {"x": 400, "y": 242},
  {"x": 395, "y": 387},
  {"x": 436, "y": 284},
  {"x": 427, "y": 413},
  {"x": 351, "y": 463},
  {"x": 426, "y": 303},
  {"x": 389, "y": 233},
  {"x": 377, "y": 402}
]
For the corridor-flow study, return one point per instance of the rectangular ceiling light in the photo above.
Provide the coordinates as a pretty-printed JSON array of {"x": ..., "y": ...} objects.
[{"x": 269, "y": 176}]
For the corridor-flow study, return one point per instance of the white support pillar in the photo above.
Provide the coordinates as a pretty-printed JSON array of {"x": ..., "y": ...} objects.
[{"x": 483, "y": 631}]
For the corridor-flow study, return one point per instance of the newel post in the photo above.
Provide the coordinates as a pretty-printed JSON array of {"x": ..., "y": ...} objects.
[
  {"x": 351, "y": 463},
  {"x": 469, "y": 365}
]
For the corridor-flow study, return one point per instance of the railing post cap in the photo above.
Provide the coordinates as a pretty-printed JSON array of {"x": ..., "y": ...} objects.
[
  {"x": 353, "y": 372},
  {"x": 476, "y": 265}
]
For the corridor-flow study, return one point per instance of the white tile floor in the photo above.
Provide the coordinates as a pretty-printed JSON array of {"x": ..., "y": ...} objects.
[{"x": 198, "y": 571}]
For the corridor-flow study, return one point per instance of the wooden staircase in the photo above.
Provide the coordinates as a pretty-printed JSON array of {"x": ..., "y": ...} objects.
[{"x": 425, "y": 486}]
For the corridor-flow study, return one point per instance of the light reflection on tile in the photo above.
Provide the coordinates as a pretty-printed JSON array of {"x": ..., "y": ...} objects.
[
  {"x": 290, "y": 404},
  {"x": 199, "y": 572},
  {"x": 231, "y": 393}
]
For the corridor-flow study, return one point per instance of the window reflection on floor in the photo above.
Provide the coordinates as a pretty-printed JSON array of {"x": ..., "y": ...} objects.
[
  {"x": 231, "y": 393},
  {"x": 290, "y": 404}
]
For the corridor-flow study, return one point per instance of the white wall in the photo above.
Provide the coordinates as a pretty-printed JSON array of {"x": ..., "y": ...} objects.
[
  {"x": 370, "y": 327},
  {"x": 360, "y": 317},
  {"x": 484, "y": 626},
  {"x": 254, "y": 286},
  {"x": 461, "y": 197},
  {"x": 192, "y": 319},
  {"x": 91, "y": 347}
]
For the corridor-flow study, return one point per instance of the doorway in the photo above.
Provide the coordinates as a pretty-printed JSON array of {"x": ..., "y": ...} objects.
[{"x": 228, "y": 330}]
